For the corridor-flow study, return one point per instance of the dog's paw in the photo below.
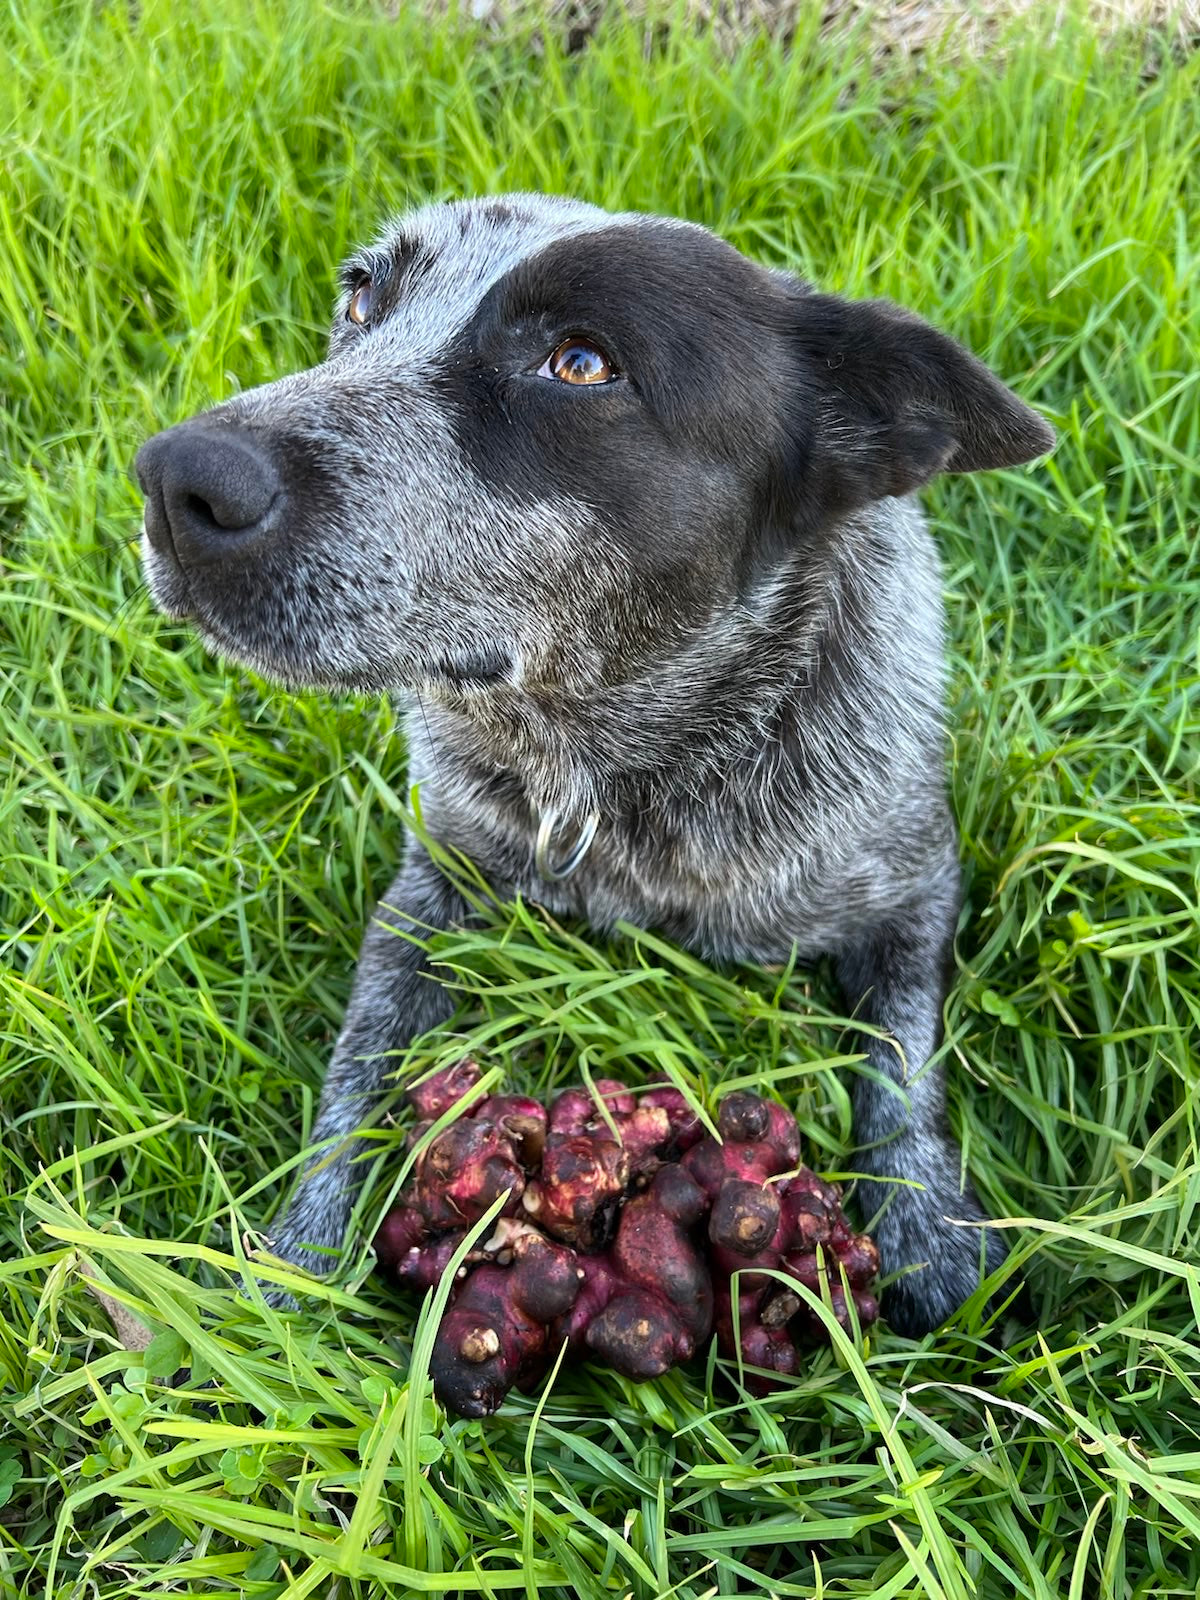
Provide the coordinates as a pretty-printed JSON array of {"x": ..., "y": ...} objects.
[
  {"x": 316, "y": 1264},
  {"x": 921, "y": 1230}
]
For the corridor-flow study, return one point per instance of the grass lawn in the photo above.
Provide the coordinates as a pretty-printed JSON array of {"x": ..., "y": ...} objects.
[{"x": 189, "y": 855}]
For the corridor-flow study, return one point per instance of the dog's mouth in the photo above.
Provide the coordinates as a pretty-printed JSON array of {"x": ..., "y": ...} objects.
[
  {"x": 454, "y": 673},
  {"x": 167, "y": 581},
  {"x": 483, "y": 667}
]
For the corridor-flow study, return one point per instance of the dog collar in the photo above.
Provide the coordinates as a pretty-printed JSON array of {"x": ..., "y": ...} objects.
[{"x": 556, "y": 870}]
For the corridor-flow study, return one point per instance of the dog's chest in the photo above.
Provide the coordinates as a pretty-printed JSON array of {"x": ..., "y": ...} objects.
[
  {"x": 730, "y": 876},
  {"x": 735, "y": 885}
]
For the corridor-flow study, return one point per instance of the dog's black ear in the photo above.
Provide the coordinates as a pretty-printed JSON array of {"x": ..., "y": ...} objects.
[{"x": 893, "y": 402}]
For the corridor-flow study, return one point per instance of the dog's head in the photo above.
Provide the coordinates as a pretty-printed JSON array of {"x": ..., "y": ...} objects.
[{"x": 549, "y": 445}]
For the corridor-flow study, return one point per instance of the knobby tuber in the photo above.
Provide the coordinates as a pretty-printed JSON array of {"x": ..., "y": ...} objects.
[
  {"x": 498, "y": 1329},
  {"x": 647, "y": 1302},
  {"x": 592, "y": 1156},
  {"x": 625, "y": 1232}
]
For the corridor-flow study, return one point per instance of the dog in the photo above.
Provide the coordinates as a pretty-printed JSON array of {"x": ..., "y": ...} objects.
[{"x": 633, "y": 516}]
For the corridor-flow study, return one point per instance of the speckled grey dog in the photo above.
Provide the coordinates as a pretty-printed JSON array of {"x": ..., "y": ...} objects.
[{"x": 634, "y": 515}]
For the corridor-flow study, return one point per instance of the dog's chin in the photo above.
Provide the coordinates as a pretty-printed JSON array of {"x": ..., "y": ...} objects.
[
  {"x": 306, "y": 677},
  {"x": 173, "y": 596},
  {"x": 464, "y": 682}
]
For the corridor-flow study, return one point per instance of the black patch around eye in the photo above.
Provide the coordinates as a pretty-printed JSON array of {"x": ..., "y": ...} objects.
[
  {"x": 692, "y": 326},
  {"x": 667, "y": 461}
]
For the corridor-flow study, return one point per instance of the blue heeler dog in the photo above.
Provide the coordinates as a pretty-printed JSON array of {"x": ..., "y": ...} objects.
[{"x": 634, "y": 516}]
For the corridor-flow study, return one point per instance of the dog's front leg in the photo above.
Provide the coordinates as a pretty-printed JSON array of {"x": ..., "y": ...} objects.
[
  {"x": 394, "y": 999},
  {"x": 895, "y": 977}
]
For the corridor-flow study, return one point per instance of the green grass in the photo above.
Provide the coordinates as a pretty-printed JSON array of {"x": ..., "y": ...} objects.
[{"x": 190, "y": 855}]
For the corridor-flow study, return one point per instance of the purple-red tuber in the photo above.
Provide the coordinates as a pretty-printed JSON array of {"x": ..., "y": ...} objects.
[
  {"x": 647, "y": 1302},
  {"x": 498, "y": 1329},
  {"x": 626, "y": 1232}
]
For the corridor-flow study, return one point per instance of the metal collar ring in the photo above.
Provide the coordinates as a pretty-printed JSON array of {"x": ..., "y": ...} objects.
[{"x": 556, "y": 871}]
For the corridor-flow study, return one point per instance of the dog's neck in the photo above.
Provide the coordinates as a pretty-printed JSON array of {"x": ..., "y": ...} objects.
[
  {"x": 764, "y": 684},
  {"x": 578, "y": 752}
]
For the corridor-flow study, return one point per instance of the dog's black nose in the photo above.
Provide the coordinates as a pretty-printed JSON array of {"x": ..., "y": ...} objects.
[{"x": 211, "y": 493}]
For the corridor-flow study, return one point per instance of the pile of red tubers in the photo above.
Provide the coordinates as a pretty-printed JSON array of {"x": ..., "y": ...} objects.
[{"x": 621, "y": 1234}]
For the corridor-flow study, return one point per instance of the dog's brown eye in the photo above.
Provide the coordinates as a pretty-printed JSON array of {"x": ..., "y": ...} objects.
[
  {"x": 577, "y": 361},
  {"x": 359, "y": 309}
]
